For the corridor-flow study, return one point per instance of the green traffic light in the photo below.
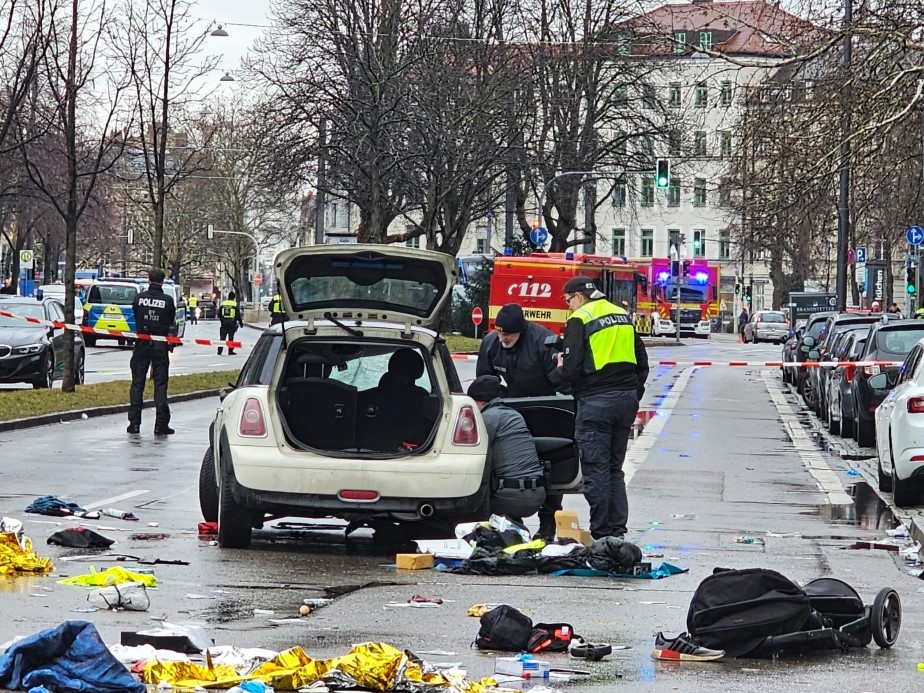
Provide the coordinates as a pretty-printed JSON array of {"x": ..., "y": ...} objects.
[{"x": 910, "y": 288}]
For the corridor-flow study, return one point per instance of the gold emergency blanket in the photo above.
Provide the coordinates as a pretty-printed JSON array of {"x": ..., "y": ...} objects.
[
  {"x": 111, "y": 576},
  {"x": 376, "y": 666},
  {"x": 16, "y": 558}
]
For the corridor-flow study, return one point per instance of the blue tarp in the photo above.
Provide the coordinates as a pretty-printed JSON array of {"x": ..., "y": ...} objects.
[
  {"x": 662, "y": 571},
  {"x": 71, "y": 658}
]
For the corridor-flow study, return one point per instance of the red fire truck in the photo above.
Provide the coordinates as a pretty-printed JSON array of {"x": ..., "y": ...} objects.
[
  {"x": 697, "y": 282},
  {"x": 537, "y": 283}
]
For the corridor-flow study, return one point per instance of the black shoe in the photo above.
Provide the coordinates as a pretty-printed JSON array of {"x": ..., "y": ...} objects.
[
  {"x": 683, "y": 649},
  {"x": 219, "y": 351},
  {"x": 547, "y": 534},
  {"x": 163, "y": 431},
  {"x": 133, "y": 428},
  {"x": 231, "y": 352}
]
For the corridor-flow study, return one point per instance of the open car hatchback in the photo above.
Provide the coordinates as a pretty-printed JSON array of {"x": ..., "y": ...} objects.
[{"x": 352, "y": 408}]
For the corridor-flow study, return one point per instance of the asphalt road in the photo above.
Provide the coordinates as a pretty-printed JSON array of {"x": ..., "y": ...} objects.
[{"x": 726, "y": 453}]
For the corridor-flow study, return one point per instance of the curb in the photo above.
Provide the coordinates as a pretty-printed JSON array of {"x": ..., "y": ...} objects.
[{"x": 75, "y": 415}]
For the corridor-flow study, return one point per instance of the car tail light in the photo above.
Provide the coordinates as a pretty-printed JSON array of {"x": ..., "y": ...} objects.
[
  {"x": 917, "y": 458},
  {"x": 849, "y": 373},
  {"x": 870, "y": 370},
  {"x": 253, "y": 423},
  {"x": 916, "y": 405},
  {"x": 358, "y": 495},
  {"x": 466, "y": 432}
]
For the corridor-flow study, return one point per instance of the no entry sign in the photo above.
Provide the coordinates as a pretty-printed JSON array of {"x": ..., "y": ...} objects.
[{"x": 477, "y": 315}]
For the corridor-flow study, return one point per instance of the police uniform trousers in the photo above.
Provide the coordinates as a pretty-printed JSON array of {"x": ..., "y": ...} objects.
[
  {"x": 602, "y": 429},
  {"x": 226, "y": 330},
  {"x": 517, "y": 503},
  {"x": 153, "y": 356}
]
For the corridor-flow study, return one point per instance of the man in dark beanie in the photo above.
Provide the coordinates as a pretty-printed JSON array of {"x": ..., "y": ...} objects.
[
  {"x": 516, "y": 352},
  {"x": 606, "y": 363},
  {"x": 517, "y": 485}
]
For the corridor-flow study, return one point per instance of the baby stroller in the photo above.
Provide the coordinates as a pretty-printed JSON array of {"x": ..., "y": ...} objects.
[{"x": 758, "y": 612}]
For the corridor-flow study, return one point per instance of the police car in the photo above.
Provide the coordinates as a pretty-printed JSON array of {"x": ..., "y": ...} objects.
[{"x": 109, "y": 307}]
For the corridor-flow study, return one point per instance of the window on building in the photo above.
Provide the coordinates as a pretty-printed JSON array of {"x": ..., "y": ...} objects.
[
  {"x": 725, "y": 144},
  {"x": 680, "y": 42},
  {"x": 699, "y": 243},
  {"x": 648, "y": 191},
  {"x": 673, "y": 192},
  {"x": 413, "y": 242},
  {"x": 649, "y": 96},
  {"x": 724, "y": 245},
  {"x": 701, "y": 96},
  {"x": 621, "y": 95},
  {"x": 673, "y": 143},
  {"x": 481, "y": 246},
  {"x": 699, "y": 143},
  {"x": 619, "y": 242},
  {"x": 673, "y": 95},
  {"x": 646, "y": 148},
  {"x": 620, "y": 147},
  {"x": 624, "y": 44},
  {"x": 724, "y": 193},
  {"x": 619, "y": 194},
  {"x": 699, "y": 192},
  {"x": 705, "y": 40},
  {"x": 725, "y": 94},
  {"x": 647, "y": 244}
]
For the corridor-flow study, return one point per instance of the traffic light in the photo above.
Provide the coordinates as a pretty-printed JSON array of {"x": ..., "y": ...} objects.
[
  {"x": 737, "y": 289},
  {"x": 910, "y": 283},
  {"x": 663, "y": 174},
  {"x": 675, "y": 268},
  {"x": 686, "y": 267},
  {"x": 747, "y": 293}
]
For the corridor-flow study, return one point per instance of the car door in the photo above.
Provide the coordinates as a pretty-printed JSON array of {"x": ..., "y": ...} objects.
[
  {"x": 551, "y": 421},
  {"x": 892, "y": 414},
  {"x": 55, "y": 311}
]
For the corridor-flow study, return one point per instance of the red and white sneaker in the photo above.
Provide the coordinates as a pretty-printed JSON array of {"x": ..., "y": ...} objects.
[{"x": 683, "y": 649}]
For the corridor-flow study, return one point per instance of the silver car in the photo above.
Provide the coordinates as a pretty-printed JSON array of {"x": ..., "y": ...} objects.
[{"x": 767, "y": 326}]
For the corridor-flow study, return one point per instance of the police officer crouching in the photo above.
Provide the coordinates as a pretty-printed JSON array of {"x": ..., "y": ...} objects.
[
  {"x": 155, "y": 314},
  {"x": 517, "y": 484},
  {"x": 606, "y": 363}
]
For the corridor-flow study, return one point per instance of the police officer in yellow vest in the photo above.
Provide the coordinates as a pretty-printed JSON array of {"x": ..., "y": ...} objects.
[
  {"x": 192, "y": 304},
  {"x": 229, "y": 316},
  {"x": 277, "y": 313},
  {"x": 607, "y": 365}
]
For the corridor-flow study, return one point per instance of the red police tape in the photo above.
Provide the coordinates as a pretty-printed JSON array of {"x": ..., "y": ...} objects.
[
  {"x": 119, "y": 334},
  {"x": 746, "y": 364}
]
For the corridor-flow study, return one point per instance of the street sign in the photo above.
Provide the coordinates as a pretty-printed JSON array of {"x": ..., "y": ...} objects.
[
  {"x": 851, "y": 256},
  {"x": 258, "y": 279},
  {"x": 861, "y": 255},
  {"x": 539, "y": 235},
  {"x": 26, "y": 259},
  {"x": 477, "y": 315},
  {"x": 914, "y": 235}
]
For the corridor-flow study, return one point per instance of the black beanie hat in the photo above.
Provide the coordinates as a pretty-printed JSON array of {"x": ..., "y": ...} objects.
[
  {"x": 510, "y": 318},
  {"x": 485, "y": 388},
  {"x": 580, "y": 285}
]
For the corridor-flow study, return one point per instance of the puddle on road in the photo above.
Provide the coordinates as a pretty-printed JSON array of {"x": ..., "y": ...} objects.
[{"x": 868, "y": 511}]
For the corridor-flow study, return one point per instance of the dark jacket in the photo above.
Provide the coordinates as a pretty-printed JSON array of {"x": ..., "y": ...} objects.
[
  {"x": 155, "y": 312},
  {"x": 613, "y": 376},
  {"x": 512, "y": 453},
  {"x": 528, "y": 367}
]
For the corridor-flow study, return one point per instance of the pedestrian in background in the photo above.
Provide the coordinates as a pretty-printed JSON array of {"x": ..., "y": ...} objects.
[
  {"x": 606, "y": 363},
  {"x": 230, "y": 318},
  {"x": 894, "y": 310},
  {"x": 277, "y": 312},
  {"x": 8, "y": 287},
  {"x": 516, "y": 351},
  {"x": 517, "y": 483},
  {"x": 742, "y": 321},
  {"x": 155, "y": 313},
  {"x": 193, "y": 304}
]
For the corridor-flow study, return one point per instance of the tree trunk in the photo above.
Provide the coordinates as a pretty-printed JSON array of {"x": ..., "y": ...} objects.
[{"x": 72, "y": 215}]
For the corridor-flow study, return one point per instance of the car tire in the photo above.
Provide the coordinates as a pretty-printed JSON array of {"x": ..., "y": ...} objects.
[
  {"x": 208, "y": 488},
  {"x": 834, "y": 427},
  {"x": 905, "y": 492},
  {"x": 885, "y": 481},
  {"x": 89, "y": 341},
  {"x": 47, "y": 376},
  {"x": 80, "y": 371},
  {"x": 866, "y": 433},
  {"x": 234, "y": 526},
  {"x": 846, "y": 424}
]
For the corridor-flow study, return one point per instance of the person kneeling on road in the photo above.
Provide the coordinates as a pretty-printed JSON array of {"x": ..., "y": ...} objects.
[{"x": 517, "y": 484}]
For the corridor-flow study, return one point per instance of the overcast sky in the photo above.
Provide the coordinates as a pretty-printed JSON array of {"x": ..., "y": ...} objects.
[{"x": 233, "y": 14}]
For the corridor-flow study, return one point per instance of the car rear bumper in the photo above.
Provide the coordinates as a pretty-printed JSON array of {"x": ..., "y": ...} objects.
[
  {"x": 772, "y": 335},
  {"x": 905, "y": 468}
]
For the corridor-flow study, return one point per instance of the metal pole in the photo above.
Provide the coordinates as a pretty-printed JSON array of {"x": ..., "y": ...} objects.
[
  {"x": 510, "y": 202},
  {"x": 843, "y": 201},
  {"x": 681, "y": 255},
  {"x": 590, "y": 201},
  {"x": 322, "y": 182}
]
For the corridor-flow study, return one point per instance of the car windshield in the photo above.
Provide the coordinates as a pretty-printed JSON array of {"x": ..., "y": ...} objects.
[
  {"x": 688, "y": 294},
  {"x": 117, "y": 295},
  {"x": 772, "y": 317},
  {"x": 898, "y": 342},
  {"x": 26, "y": 310}
]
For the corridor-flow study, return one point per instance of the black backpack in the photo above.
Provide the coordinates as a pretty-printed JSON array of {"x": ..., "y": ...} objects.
[{"x": 507, "y": 629}]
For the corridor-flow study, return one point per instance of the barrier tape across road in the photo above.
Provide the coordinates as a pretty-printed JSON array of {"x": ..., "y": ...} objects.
[
  {"x": 745, "y": 364},
  {"x": 121, "y": 335}
]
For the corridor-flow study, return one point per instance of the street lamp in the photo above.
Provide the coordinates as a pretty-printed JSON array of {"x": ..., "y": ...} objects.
[
  {"x": 210, "y": 234},
  {"x": 219, "y": 32},
  {"x": 227, "y": 78}
]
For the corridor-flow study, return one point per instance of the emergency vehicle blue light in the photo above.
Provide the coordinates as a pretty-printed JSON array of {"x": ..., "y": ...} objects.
[
  {"x": 569, "y": 256},
  {"x": 663, "y": 276},
  {"x": 702, "y": 277}
]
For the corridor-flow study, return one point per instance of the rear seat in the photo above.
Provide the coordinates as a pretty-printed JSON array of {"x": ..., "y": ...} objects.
[{"x": 321, "y": 413}]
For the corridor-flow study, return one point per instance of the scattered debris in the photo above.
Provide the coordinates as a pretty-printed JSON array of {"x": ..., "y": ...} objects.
[
  {"x": 120, "y": 514},
  {"x": 748, "y": 540},
  {"x": 16, "y": 554},
  {"x": 55, "y": 507},
  {"x": 131, "y": 596},
  {"x": 80, "y": 538},
  {"x": 111, "y": 576},
  {"x": 148, "y": 537}
]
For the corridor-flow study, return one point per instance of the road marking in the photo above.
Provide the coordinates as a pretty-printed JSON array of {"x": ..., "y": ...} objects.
[
  {"x": 639, "y": 448},
  {"x": 115, "y": 499},
  {"x": 812, "y": 458}
]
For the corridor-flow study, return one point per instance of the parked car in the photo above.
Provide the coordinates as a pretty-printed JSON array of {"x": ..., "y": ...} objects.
[
  {"x": 840, "y": 414},
  {"x": 353, "y": 407},
  {"x": 767, "y": 326},
  {"x": 900, "y": 430},
  {"x": 31, "y": 353},
  {"x": 208, "y": 309},
  {"x": 57, "y": 291},
  {"x": 835, "y": 326},
  {"x": 788, "y": 355},
  {"x": 813, "y": 334},
  {"x": 888, "y": 340}
]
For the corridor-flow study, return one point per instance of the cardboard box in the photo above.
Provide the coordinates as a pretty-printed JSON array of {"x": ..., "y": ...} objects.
[
  {"x": 523, "y": 665},
  {"x": 414, "y": 561},
  {"x": 568, "y": 526}
]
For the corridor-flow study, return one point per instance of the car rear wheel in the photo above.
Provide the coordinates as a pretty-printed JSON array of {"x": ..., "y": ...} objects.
[
  {"x": 833, "y": 426},
  {"x": 208, "y": 489},
  {"x": 905, "y": 492},
  {"x": 234, "y": 527},
  {"x": 89, "y": 341},
  {"x": 866, "y": 433},
  {"x": 46, "y": 378},
  {"x": 885, "y": 481}
]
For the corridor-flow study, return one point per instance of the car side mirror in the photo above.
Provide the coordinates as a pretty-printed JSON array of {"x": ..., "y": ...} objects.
[
  {"x": 804, "y": 349},
  {"x": 879, "y": 382},
  {"x": 808, "y": 341},
  {"x": 814, "y": 354}
]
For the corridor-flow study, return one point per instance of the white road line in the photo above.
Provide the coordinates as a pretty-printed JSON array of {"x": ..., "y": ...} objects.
[
  {"x": 115, "y": 499},
  {"x": 814, "y": 461},
  {"x": 639, "y": 448}
]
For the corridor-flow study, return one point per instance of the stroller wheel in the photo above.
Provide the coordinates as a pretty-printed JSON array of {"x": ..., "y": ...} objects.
[{"x": 886, "y": 617}]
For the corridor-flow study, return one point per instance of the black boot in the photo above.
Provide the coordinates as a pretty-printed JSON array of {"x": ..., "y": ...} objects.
[{"x": 220, "y": 349}]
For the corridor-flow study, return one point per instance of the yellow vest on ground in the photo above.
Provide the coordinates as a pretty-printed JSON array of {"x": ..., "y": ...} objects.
[{"x": 609, "y": 334}]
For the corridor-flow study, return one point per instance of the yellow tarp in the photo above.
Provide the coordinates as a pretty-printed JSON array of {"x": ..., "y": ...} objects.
[
  {"x": 111, "y": 576},
  {"x": 16, "y": 559},
  {"x": 375, "y": 666}
]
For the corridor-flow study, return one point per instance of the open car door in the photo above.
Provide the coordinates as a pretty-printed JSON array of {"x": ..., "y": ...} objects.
[{"x": 551, "y": 421}]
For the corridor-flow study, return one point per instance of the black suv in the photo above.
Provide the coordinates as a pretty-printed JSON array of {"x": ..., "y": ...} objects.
[
  {"x": 836, "y": 325},
  {"x": 888, "y": 340}
]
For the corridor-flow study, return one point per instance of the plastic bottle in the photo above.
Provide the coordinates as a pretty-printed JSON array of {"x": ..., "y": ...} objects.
[{"x": 745, "y": 540}]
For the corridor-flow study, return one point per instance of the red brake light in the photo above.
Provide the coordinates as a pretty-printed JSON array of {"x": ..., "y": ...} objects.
[
  {"x": 253, "y": 423},
  {"x": 849, "y": 373},
  {"x": 466, "y": 432},
  {"x": 916, "y": 405},
  {"x": 358, "y": 495}
]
